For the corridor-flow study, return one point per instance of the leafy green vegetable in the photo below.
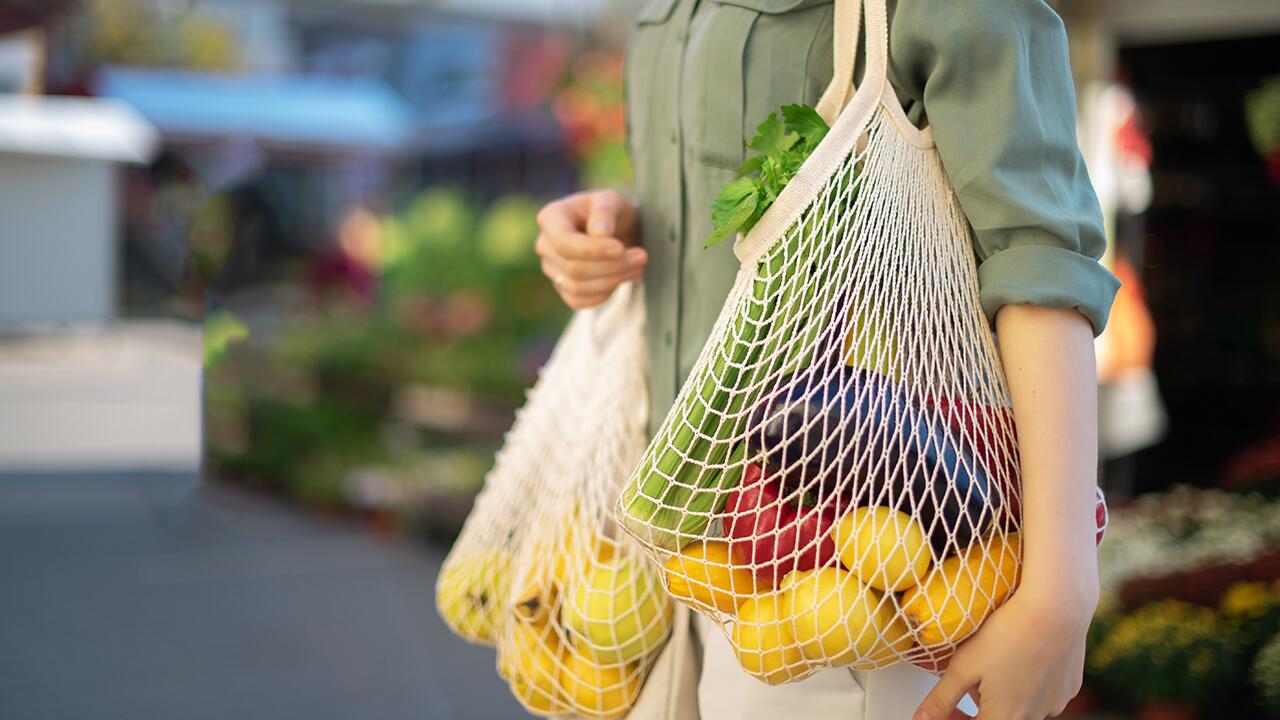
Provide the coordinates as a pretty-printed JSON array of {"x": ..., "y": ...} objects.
[
  {"x": 735, "y": 205},
  {"x": 783, "y": 145},
  {"x": 807, "y": 123}
]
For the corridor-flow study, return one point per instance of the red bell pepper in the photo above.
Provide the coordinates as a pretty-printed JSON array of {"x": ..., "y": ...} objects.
[
  {"x": 773, "y": 535},
  {"x": 985, "y": 430}
]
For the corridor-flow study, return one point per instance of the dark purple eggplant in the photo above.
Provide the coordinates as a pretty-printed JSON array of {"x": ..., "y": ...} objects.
[{"x": 852, "y": 431}]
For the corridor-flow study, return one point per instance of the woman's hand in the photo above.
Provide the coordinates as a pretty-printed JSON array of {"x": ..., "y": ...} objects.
[
  {"x": 1024, "y": 663},
  {"x": 1026, "y": 660},
  {"x": 584, "y": 246}
]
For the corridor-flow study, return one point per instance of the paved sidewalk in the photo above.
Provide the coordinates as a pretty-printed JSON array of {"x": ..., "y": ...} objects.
[
  {"x": 90, "y": 398},
  {"x": 142, "y": 596}
]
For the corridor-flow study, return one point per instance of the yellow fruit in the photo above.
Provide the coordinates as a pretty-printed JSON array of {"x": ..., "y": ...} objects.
[
  {"x": 469, "y": 591},
  {"x": 599, "y": 691},
  {"x": 575, "y": 551},
  {"x": 762, "y": 638},
  {"x": 963, "y": 590},
  {"x": 885, "y": 548},
  {"x": 872, "y": 343},
  {"x": 838, "y": 620},
  {"x": 617, "y": 611},
  {"x": 557, "y": 560},
  {"x": 703, "y": 573},
  {"x": 533, "y": 605},
  {"x": 530, "y": 659}
]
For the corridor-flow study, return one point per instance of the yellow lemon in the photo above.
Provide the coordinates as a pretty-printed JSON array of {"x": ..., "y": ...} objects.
[
  {"x": 763, "y": 641},
  {"x": 556, "y": 560},
  {"x": 530, "y": 658},
  {"x": 468, "y": 592},
  {"x": 885, "y": 548},
  {"x": 704, "y": 574},
  {"x": 840, "y": 621},
  {"x": 963, "y": 590},
  {"x": 617, "y": 611},
  {"x": 599, "y": 691}
]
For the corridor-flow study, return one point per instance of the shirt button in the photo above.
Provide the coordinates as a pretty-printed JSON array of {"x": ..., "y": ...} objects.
[{"x": 667, "y": 338}]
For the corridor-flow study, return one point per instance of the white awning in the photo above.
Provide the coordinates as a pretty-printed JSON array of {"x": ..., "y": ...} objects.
[{"x": 73, "y": 127}]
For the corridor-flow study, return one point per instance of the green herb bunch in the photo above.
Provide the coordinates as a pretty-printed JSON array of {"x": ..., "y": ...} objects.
[{"x": 782, "y": 146}]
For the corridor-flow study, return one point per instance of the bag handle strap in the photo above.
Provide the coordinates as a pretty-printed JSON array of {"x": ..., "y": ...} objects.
[{"x": 846, "y": 29}]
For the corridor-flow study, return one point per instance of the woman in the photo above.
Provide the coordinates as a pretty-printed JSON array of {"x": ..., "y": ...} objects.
[{"x": 991, "y": 77}]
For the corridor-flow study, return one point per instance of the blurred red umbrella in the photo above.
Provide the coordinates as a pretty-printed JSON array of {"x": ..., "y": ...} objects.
[{"x": 21, "y": 14}]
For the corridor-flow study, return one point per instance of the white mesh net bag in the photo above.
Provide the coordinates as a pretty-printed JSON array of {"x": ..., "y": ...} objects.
[
  {"x": 576, "y": 611},
  {"x": 837, "y": 482}
]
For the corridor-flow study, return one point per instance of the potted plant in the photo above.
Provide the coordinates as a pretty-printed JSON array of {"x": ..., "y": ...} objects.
[
  {"x": 1170, "y": 659},
  {"x": 1266, "y": 677}
]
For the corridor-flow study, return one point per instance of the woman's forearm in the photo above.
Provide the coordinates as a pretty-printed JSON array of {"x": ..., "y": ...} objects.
[{"x": 1048, "y": 357}]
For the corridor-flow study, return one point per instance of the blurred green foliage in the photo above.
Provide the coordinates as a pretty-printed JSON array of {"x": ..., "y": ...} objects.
[
  {"x": 1266, "y": 677},
  {"x": 145, "y": 32},
  {"x": 1262, "y": 115},
  {"x": 1170, "y": 651},
  {"x": 460, "y": 303},
  {"x": 221, "y": 328},
  {"x": 1186, "y": 654}
]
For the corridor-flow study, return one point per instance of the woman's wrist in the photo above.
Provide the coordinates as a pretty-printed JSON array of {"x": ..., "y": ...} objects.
[{"x": 1068, "y": 584}]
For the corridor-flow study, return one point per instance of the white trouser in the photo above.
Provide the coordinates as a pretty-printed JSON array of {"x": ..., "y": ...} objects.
[{"x": 727, "y": 692}]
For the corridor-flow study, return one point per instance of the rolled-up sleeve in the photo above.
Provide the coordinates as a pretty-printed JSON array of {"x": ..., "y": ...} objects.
[{"x": 995, "y": 82}]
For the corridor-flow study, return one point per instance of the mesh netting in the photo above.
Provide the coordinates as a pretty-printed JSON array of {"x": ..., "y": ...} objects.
[
  {"x": 837, "y": 482},
  {"x": 575, "y": 610}
]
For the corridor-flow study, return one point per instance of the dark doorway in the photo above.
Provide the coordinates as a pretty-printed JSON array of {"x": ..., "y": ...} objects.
[{"x": 1209, "y": 250}]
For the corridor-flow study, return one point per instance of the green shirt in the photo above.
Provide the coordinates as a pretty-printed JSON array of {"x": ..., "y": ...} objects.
[{"x": 993, "y": 77}]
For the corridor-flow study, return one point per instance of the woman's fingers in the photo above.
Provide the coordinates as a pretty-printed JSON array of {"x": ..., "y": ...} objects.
[
  {"x": 611, "y": 215},
  {"x": 583, "y": 246},
  {"x": 632, "y": 260},
  {"x": 579, "y": 284},
  {"x": 941, "y": 703},
  {"x": 576, "y": 246}
]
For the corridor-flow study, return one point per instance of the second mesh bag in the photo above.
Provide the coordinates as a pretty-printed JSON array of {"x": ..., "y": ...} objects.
[
  {"x": 577, "y": 613},
  {"x": 837, "y": 482}
]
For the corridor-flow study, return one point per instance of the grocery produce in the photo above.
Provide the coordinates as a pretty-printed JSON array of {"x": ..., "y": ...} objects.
[
  {"x": 783, "y": 144},
  {"x": 935, "y": 659},
  {"x": 556, "y": 560},
  {"x": 704, "y": 574},
  {"x": 872, "y": 343},
  {"x": 991, "y": 437},
  {"x": 884, "y": 548},
  {"x": 469, "y": 592},
  {"x": 617, "y": 611},
  {"x": 774, "y": 533},
  {"x": 533, "y": 605},
  {"x": 677, "y": 491},
  {"x": 529, "y": 657},
  {"x": 838, "y": 620},
  {"x": 598, "y": 691},
  {"x": 947, "y": 492},
  {"x": 677, "y": 497},
  {"x": 763, "y": 640},
  {"x": 958, "y": 594},
  {"x": 808, "y": 427},
  {"x": 856, "y": 431}
]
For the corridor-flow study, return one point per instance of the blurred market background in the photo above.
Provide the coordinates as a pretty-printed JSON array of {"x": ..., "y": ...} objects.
[{"x": 268, "y": 301}]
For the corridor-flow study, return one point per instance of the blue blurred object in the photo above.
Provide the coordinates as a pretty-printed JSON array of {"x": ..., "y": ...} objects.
[{"x": 353, "y": 112}]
